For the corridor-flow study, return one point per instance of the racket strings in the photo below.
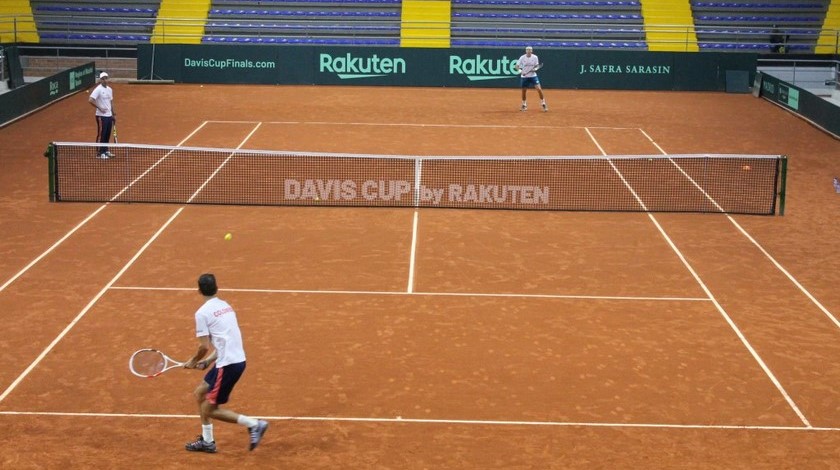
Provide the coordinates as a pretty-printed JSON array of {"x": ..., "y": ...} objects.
[{"x": 148, "y": 363}]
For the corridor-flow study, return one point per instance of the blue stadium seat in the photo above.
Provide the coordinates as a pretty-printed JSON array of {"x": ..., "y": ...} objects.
[
  {"x": 762, "y": 19},
  {"x": 551, "y": 3},
  {"x": 305, "y": 13},
  {"x": 546, "y": 16},
  {"x": 749, "y": 6},
  {"x": 96, "y": 37},
  {"x": 302, "y": 40},
  {"x": 348, "y": 2},
  {"x": 80, "y": 9},
  {"x": 561, "y": 44}
]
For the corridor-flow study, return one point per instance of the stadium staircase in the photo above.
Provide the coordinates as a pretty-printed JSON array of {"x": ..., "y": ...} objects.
[
  {"x": 23, "y": 29},
  {"x": 669, "y": 25},
  {"x": 828, "y": 43},
  {"x": 181, "y": 21},
  {"x": 425, "y": 23}
]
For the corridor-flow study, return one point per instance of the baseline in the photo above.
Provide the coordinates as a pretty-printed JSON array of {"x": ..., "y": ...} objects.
[
  {"x": 407, "y": 124},
  {"x": 430, "y": 294},
  {"x": 401, "y": 420}
]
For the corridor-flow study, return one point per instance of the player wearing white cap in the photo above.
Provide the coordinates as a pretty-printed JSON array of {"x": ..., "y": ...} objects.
[
  {"x": 102, "y": 98},
  {"x": 527, "y": 65}
]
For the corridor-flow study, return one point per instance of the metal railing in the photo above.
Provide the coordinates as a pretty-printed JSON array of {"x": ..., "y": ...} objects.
[
  {"x": 816, "y": 75},
  {"x": 87, "y": 29}
]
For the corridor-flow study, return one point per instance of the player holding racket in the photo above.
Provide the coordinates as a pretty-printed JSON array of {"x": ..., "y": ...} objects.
[
  {"x": 215, "y": 322},
  {"x": 527, "y": 65},
  {"x": 102, "y": 98}
]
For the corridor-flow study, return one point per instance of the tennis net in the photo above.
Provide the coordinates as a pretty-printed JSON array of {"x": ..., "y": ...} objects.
[{"x": 736, "y": 184}]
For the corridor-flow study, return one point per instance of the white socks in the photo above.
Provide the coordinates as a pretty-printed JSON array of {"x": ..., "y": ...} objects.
[
  {"x": 207, "y": 432},
  {"x": 246, "y": 421},
  {"x": 207, "y": 429}
]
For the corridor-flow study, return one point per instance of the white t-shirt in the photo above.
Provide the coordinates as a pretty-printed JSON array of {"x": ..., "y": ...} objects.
[
  {"x": 217, "y": 319},
  {"x": 102, "y": 97},
  {"x": 528, "y": 63}
]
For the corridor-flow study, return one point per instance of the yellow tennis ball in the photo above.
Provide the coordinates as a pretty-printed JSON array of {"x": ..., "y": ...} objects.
[{"x": 228, "y": 236}]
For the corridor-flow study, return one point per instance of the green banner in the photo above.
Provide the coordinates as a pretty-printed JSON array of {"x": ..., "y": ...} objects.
[
  {"x": 819, "y": 111},
  {"x": 462, "y": 67},
  {"x": 22, "y": 100}
]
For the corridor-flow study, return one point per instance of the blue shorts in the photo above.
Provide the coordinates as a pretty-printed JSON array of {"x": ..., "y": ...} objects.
[
  {"x": 221, "y": 381},
  {"x": 530, "y": 81}
]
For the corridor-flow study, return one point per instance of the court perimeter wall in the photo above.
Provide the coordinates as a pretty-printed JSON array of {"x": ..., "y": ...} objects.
[
  {"x": 308, "y": 65},
  {"x": 31, "y": 96},
  {"x": 801, "y": 101}
]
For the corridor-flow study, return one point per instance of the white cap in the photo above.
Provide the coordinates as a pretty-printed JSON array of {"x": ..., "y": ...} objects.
[
  {"x": 529, "y": 48},
  {"x": 103, "y": 75}
]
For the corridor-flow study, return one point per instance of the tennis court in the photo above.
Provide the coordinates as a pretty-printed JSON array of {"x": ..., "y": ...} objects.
[{"x": 430, "y": 338}]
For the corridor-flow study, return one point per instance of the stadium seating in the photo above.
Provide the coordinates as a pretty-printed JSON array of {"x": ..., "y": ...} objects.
[
  {"x": 741, "y": 25},
  {"x": 114, "y": 22},
  {"x": 336, "y": 22},
  {"x": 548, "y": 23},
  {"x": 737, "y": 25}
]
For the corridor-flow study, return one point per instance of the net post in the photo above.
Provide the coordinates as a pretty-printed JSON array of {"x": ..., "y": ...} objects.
[
  {"x": 782, "y": 183},
  {"x": 51, "y": 154}
]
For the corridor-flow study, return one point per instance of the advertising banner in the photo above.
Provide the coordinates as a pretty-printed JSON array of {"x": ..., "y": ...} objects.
[
  {"x": 460, "y": 67},
  {"x": 29, "y": 97}
]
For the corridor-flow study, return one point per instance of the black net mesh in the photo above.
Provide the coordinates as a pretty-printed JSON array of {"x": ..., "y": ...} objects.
[{"x": 737, "y": 184}]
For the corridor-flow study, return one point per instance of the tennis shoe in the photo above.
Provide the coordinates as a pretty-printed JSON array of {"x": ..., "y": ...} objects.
[
  {"x": 200, "y": 445},
  {"x": 545, "y": 107},
  {"x": 110, "y": 155},
  {"x": 256, "y": 433},
  {"x": 103, "y": 156},
  {"x": 524, "y": 107}
]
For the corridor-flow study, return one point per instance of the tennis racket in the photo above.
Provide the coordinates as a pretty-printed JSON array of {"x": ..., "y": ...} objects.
[
  {"x": 149, "y": 363},
  {"x": 528, "y": 70}
]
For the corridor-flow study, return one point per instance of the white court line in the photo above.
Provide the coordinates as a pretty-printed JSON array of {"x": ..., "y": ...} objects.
[
  {"x": 86, "y": 309},
  {"x": 429, "y": 294},
  {"x": 413, "y": 257},
  {"x": 142, "y": 175},
  {"x": 96, "y": 298},
  {"x": 708, "y": 292},
  {"x": 85, "y": 221},
  {"x": 767, "y": 254},
  {"x": 53, "y": 247},
  {"x": 474, "y": 422},
  {"x": 406, "y": 124},
  {"x": 219, "y": 168}
]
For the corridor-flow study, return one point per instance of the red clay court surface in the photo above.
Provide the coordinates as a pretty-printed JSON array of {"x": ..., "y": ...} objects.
[{"x": 449, "y": 339}]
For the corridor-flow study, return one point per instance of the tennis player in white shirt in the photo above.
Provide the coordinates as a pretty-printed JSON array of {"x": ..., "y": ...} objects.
[
  {"x": 102, "y": 98},
  {"x": 215, "y": 323},
  {"x": 527, "y": 66}
]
